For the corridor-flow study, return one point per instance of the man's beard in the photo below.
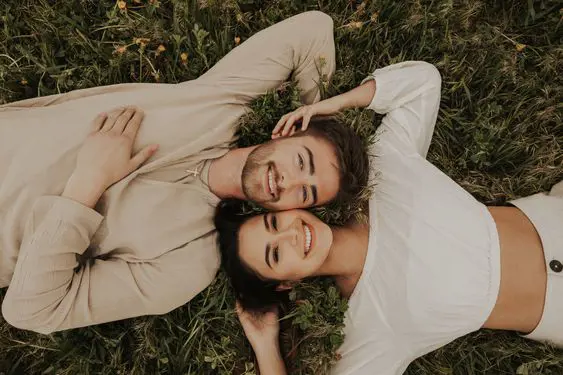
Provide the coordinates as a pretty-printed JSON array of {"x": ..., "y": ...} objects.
[{"x": 253, "y": 172}]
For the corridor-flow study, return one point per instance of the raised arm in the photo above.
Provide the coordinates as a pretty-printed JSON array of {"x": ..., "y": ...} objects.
[
  {"x": 299, "y": 47},
  {"x": 407, "y": 93}
]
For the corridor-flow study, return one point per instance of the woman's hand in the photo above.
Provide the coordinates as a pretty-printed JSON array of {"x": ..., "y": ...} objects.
[
  {"x": 261, "y": 330},
  {"x": 105, "y": 156},
  {"x": 360, "y": 96},
  {"x": 286, "y": 126}
]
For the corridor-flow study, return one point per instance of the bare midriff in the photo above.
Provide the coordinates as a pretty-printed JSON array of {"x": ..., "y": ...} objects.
[{"x": 521, "y": 297}]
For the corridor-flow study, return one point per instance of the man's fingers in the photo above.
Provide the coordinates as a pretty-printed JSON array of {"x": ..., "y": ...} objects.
[
  {"x": 112, "y": 117},
  {"x": 98, "y": 122},
  {"x": 133, "y": 125},
  {"x": 122, "y": 120},
  {"x": 142, "y": 156}
]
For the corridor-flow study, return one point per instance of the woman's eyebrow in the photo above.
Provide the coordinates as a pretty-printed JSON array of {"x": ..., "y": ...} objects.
[{"x": 266, "y": 224}]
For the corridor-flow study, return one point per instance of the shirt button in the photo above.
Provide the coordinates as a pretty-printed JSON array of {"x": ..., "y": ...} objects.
[{"x": 556, "y": 266}]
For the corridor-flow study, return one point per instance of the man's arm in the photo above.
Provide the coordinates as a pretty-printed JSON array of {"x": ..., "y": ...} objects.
[
  {"x": 50, "y": 291},
  {"x": 301, "y": 47}
]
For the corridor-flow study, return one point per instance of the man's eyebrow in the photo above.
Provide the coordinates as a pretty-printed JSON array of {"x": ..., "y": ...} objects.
[
  {"x": 311, "y": 162},
  {"x": 268, "y": 255},
  {"x": 314, "y": 191}
]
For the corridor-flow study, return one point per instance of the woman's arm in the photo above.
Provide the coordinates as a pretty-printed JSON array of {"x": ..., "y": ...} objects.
[
  {"x": 407, "y": 93},
  {"x": 262, "y": 332},
  {"x": 360, "y": 96}
]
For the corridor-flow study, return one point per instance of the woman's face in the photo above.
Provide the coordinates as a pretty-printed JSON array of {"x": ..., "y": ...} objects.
[{"x": 286, "y": 245}]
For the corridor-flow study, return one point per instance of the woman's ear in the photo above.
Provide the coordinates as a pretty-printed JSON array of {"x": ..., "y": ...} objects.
[{"x": 285, "y": 285}]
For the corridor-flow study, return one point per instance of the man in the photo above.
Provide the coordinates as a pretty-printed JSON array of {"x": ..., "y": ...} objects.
[{"x": 146, "y": 245}]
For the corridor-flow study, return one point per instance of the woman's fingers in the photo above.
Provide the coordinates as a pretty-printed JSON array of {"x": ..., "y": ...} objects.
[
  {"x": 305, "y": 121},
  {"x": 98, "y": 122},
  {"x": 286, "y": 126},
  {"x": 280, "y": 123},
  {"x": 123, "y": 119}
]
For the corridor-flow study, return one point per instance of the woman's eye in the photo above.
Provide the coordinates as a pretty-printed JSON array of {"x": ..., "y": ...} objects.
[
  {"x": 301, "y": 163},
  {"x": 274, "y": 222},
  {"x": 276, "y": 255},
  {"x": 305, "y": 196}
]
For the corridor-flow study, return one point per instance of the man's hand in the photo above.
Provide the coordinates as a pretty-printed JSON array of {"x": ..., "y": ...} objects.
[{"x": 105, "y": 156}]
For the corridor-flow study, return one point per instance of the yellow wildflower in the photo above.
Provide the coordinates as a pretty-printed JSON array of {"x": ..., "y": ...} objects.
[
  {"x": 237, "y": 40},
  {"x": 122, "y": 5},
  {"x": 520, "y": 47},
  {"x": 160, "y": 49},
  {"x": 354, "y": 25},
  {"x": 184, "y": 57}
]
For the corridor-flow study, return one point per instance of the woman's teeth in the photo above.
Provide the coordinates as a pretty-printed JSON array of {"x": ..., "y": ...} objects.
[
  {"x": 271, "y": 181},
  {"x": 308, "y": 238}
]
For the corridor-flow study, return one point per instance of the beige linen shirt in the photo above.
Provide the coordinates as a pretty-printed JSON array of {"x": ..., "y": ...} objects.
[{"x": 149, "y": 245}]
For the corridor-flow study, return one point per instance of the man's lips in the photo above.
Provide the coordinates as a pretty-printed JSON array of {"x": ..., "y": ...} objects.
[{"x": 270, "y": 185}]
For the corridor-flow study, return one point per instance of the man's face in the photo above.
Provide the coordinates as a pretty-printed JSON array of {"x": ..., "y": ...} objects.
[{"x": 293, "y": 172}]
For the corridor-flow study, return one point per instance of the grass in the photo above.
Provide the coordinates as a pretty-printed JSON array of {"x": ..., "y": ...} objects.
[{"x": 499, "y": 135}]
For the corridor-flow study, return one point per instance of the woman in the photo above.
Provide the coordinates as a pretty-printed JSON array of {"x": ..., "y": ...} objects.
[{"x": 432, "y": 265}]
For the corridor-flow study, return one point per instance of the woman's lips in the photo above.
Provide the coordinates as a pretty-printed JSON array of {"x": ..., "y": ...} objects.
[{"x": 308, "y": 230}]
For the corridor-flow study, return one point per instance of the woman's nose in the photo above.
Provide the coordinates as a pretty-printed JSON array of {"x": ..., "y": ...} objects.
[{"x": 290, "y": 235}]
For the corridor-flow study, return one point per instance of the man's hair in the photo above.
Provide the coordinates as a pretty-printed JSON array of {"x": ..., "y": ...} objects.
[
  {"x": 351, "y": 154},
  {"x": 255, "y": 294}
]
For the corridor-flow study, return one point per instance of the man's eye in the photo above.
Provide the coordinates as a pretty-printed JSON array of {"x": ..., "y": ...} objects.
[
  {"x": 301, "y": 162},
  {"x": 274, "y": 222},
  {"x": 276, "y": 255},
  {"x": 304, "y": 193}
]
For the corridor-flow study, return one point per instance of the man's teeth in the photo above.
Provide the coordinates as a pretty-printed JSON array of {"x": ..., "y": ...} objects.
[
  {"x": 271, "y": 181},
  {"x": 308, "y": 238}
]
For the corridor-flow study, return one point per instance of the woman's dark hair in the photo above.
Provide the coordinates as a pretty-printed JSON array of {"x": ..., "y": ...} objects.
[{"x": 253, "y": 292}]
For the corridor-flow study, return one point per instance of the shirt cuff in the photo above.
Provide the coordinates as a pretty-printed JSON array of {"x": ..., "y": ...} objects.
[
  {"x": 55, "y": 209},
  {"x": 380, "y": 103}
]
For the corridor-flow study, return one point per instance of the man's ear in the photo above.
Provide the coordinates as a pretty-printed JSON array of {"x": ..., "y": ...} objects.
[{"x": 285, "y": 285}]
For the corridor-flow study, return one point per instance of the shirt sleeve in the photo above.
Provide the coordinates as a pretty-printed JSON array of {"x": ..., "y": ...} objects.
[
  {"x": 301, "y": 47},
  {"x": 408, "y": 94},
  {"x": 50, "y": 291}
]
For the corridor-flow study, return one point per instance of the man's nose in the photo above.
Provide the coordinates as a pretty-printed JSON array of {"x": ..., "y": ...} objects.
[{"x": 289, "y": 181}]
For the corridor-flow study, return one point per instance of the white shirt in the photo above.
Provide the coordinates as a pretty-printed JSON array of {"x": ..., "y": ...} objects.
[{"x": 432, "y": 271}]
